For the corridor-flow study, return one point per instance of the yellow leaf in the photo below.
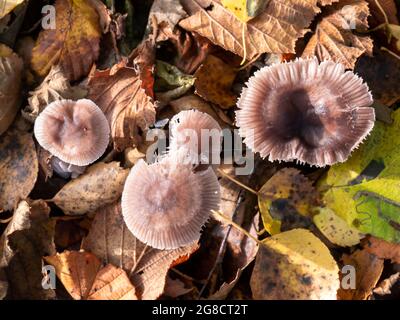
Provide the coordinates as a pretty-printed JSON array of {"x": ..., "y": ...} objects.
[
  {"x": 294, "y": 265},
  {"x": 238, "y": 8},
  {"x": 74, "y": 43},
  {"x": 6, "y": 6}
]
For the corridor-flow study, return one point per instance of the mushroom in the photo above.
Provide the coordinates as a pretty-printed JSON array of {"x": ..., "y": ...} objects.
[
  {"x": 197, "y": 133},
  {"x": 313, "y": 112},
  {"x": 76, "y": 133},
  {"x": 166, "y": 204}
]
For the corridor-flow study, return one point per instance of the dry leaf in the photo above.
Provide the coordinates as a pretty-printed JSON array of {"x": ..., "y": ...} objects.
[
  {"x": 101, "y": 184},
  {"x": 3, "y": 284},
  {"x": 10, "y": 85},
  {"x": 54, "y": 87},
  {"x": 125, "y": 94},
  {"x": 175, "y": 288},
  {"x": 7, "y": 6},
  {"x": 377, "y": 18},
  {"x": 275, "y": 30},
  {"x": 326, "y": 2},
  {"x": 368, "y": 268},
  {"x": 383, "y": 249},
  {"x": 294, "y": 265},
  {"x": 28, "y": 237},
  {"x": 383, "y": 288},
  {"x": 74, "y": 44},
  {"x": 335, "y": 38},
  {"x": 18, "y": 167},
  {"x": 84, "y": 278},
  {"x": 214, "y": 81},
  {"x": 110, "y": 240}
]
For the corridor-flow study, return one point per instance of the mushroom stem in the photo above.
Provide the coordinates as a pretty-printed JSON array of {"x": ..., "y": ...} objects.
[{"x": 66, "y": 170}]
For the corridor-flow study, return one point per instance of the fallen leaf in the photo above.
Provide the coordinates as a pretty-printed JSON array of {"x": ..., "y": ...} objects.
[
  {"x": 54, "y": 87},
  {"x": 287, "y": 201},
  {"x": 294, "y": 265},
  {"x": 335, "y": 229},
  {"x": 368, "y": 268},
  {"x": 381, "y": 74},
  {"x": 7, "y": 6},
  {"x": 18, "y": 167},
  {"x": 214, "y": 80},
  {"x": 28, "y": 237},
  {"x": 74, "y": 44},
  {"x": 175, "y": 288},
  {"x": 377, "y": 18},
  {"x": 245, "y": 10},
  {"x": 383, "y": 249},
  {"x": 3, "y": 284},
  {"x": 326, "y": 2},
  {"x": 110, "y": 240},
  {"x": 363, "y": 191},
  {"x": 383, "y": 288},
  {"x": 334, "y": 38},
  {"x": 275, "y": 30},
  {"x": 101, "y": 184},
  {"x": 83, "y": 277},
  {"x": 10, "y": 85},
  {"x": 125, "y": 94}
]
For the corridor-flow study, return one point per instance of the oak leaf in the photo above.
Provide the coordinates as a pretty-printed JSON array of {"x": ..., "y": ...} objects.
[
  {"x": 110, "y": 240},
  {"x": 335, "y": 35},
  {"x": 83, "y": 277},
  {"x": 275, "y": 30},
  {"x": 74, "y": 43}
]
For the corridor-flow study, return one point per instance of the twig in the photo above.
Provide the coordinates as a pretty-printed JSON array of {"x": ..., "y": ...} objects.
[
  {"x": 225, "y": 175},
  {"x": 137, "y": 263},
  {"x": 185, "y": 276},
  {"x": 390, "y": 52}
]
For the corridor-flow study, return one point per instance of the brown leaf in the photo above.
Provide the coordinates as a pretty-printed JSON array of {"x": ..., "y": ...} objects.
[
  {"x": 28, "y": 237},
  {"x": 101, "y": 184},
  {"x": 54, "y": 87},
  {"x": 74, "y": 43},
  {"x": 84, "y": 278},
  {"x": 175, "y": 288},
  {"x": 18, "y": 167},
  {"x": 214, "y": 81},
  {"x": 326, "y": 2},
  {"x": 10, "y": 85},
  {"x": 381, "y": 72},
  {"x": 377, "y": 18},
  {"x": 333, "y": 38},
  {"x": 368, "y": 271},
  {"x": 276, "y": 29},
  {"x": 383, "y": 249},
  {"x": 110, "y": 240},
  {"x": 125, "y": 94},
  {"x": 383, "y": 288}
]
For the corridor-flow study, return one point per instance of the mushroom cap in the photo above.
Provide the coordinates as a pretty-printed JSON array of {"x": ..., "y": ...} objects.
[
  {"x": 198, "y": 133},
  {"x": 166, "y": 204},
  {"x": 313, "y": 112},
  {"x": 76, "y": 132}
]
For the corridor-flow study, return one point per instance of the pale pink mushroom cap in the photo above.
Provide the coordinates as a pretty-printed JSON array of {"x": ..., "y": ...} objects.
[
  {"x": 198, "y": 133},
  {"x": 306, "y": 111},
  {"x": 76, "y": 132},
  {"x": 166, "y": 204}
]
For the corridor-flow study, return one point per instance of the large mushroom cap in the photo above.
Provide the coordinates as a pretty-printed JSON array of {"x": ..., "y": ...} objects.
[
  {"x": 315, "y": 113},
  {"x": 77, "y": 132},
  {"x": 197, "y": 133},
  {"x": 166, "y": 204}
]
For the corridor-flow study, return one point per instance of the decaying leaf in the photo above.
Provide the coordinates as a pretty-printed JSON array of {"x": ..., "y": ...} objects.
[
  {"x": 294, "y": 265},
  {"x": 101, "y": 184},
  {"x": 287, "y": 201},
  {"x": 214, "y": 81},
  {"x": 335, "y": 36},
  {"x": 125, "y": 94},
  {"x": 175, "y": 288},
  {"x": 383, "y": 249},
  {"x": 28, "y": 237},
  {"x": 335, "y": 229},
  {"x": 363, "y": 191},
  {"x": 384, "y": 286},
  {"x": 276, "y": 29},
  {"x": 110, "y": 240},
  {"x": 10, "y": 85},
  {"x": 84, "y": 278},
  {"x": 74, "y": 44},
  {"x": 7, "y": 6},
  {"x": 18, "y": 167},
  {"x": 368, "y": 269},
  {"x": 54, "y": 87}
]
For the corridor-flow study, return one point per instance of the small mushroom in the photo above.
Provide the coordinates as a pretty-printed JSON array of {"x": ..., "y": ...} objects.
[
  {"x": 197, "y": 133},
  {"x": 166, "y": 204},
  {"x": 76, "y": 133},
  {"x": 313, "y": 112}
]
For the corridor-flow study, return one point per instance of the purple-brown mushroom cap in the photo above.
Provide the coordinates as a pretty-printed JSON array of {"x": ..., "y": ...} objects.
[
  {"x": 166, "y": 204},
  {"x": 76, "y": 132},
  {"x": 304, "y": 110},
  {"x": 198, "y": 133}
]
